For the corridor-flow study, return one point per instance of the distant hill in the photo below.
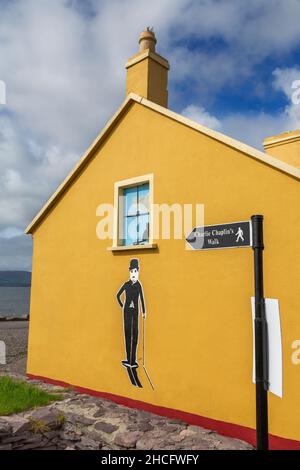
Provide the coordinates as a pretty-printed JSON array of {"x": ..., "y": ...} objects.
[{"x": 15, "y": 279}]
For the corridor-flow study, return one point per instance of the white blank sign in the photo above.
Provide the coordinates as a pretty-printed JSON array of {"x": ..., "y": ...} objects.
[
  {"x": 2, "y": 353},
  {"x": 275, "y": 345}
]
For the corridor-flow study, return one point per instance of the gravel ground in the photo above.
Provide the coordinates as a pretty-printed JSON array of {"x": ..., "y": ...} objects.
[{"x": 15, "y": 336}]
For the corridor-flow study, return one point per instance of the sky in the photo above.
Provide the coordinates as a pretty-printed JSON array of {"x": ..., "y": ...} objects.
[{"x": 233, "y": 64}]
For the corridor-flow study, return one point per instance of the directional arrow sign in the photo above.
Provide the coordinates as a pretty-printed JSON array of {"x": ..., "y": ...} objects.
[{"x": 231, "y": 235}]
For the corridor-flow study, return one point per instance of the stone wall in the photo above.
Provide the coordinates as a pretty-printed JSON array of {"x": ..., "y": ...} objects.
[
  {"x": 84, "y": 422},
  {"x": 41, "y": 430}
]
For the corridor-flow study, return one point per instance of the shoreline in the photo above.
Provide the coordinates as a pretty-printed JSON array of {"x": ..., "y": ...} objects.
[{"x": 17, "y": 317}]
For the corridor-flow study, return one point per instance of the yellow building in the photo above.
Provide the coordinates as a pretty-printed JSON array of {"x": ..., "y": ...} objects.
[{"x": 198, "y": 339}]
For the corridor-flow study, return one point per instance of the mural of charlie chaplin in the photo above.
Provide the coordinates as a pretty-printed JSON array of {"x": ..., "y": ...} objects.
[{"x": 133, "y": 295}]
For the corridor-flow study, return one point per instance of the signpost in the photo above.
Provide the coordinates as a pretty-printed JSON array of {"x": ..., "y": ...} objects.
[
  {"x": 261, "y": 337},
  {"x": 239, "y": 235}
]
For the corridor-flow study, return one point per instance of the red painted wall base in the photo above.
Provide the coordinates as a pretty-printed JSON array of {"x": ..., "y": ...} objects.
[{"x": 226, "y": 429}]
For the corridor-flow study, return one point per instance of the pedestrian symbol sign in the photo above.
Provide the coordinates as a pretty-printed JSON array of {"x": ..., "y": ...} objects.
[
  {"x": 229, "y": 235},
  {"x": 240, "y": 235}
]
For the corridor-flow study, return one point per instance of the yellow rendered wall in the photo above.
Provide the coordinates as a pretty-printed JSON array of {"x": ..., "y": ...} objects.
[
  {"x": 288, "y": 153},
  {"x": 199, "y": 332}
]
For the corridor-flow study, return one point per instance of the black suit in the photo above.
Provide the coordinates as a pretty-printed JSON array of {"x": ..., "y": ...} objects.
[{"x": 133, "y": 292}]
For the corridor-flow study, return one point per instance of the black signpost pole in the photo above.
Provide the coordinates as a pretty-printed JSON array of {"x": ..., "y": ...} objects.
[{"x": 261, "y": 337}]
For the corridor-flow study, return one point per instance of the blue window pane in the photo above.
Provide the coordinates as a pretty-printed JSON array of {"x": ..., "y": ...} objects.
[
  {"x": 130, "y": 201},
  {"x": 143, "y": 198},
  {"x": 136, "y": 215},
  {"x": 143, "y": 228},
  {"x": 130, "y": 230}
]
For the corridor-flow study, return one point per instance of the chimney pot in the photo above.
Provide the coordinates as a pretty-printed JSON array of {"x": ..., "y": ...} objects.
[
  {"x": 147, "y": 71},
  {"x": 147, "y": 40}
]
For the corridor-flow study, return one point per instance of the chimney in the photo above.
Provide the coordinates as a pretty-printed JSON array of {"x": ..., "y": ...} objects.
[
  {"x": 147, "y": 71},
  {"x": 285, "y": 147}
]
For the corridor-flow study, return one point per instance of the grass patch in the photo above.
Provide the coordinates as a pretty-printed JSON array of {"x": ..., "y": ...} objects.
[{"x": 16, "y": 396}]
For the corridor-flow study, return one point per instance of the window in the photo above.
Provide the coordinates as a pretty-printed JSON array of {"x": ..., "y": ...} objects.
[
  {"x": 133, "y": 214},
  {"x": 136, "y": 215}
]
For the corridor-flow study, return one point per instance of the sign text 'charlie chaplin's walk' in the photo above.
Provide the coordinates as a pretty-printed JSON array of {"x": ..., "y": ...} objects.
[{"x": 229, "y": 235}]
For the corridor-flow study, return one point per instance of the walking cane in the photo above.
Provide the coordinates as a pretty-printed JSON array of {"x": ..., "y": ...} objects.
[{"x": 144, "y": 366}]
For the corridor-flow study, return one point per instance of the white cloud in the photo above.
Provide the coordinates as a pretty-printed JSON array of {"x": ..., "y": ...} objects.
[
  {"x": 284, "y": 80},
  {"x": 253, "y": 128},
  {"x": 10, "y": 232},
  {"x": 257, "y": 28},
  {"x": 28, "y": 174},
  {"x": 199, "y": 114}
]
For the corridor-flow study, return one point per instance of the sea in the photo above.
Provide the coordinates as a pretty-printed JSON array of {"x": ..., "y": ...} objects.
[{"x": 14, "y": 301}]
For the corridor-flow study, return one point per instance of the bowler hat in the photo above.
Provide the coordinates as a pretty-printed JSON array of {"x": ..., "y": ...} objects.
[{"x": 134, "y": 264}]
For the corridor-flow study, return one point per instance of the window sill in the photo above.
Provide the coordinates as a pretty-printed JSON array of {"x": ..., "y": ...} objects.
[{"x": 148, "y": 246}]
